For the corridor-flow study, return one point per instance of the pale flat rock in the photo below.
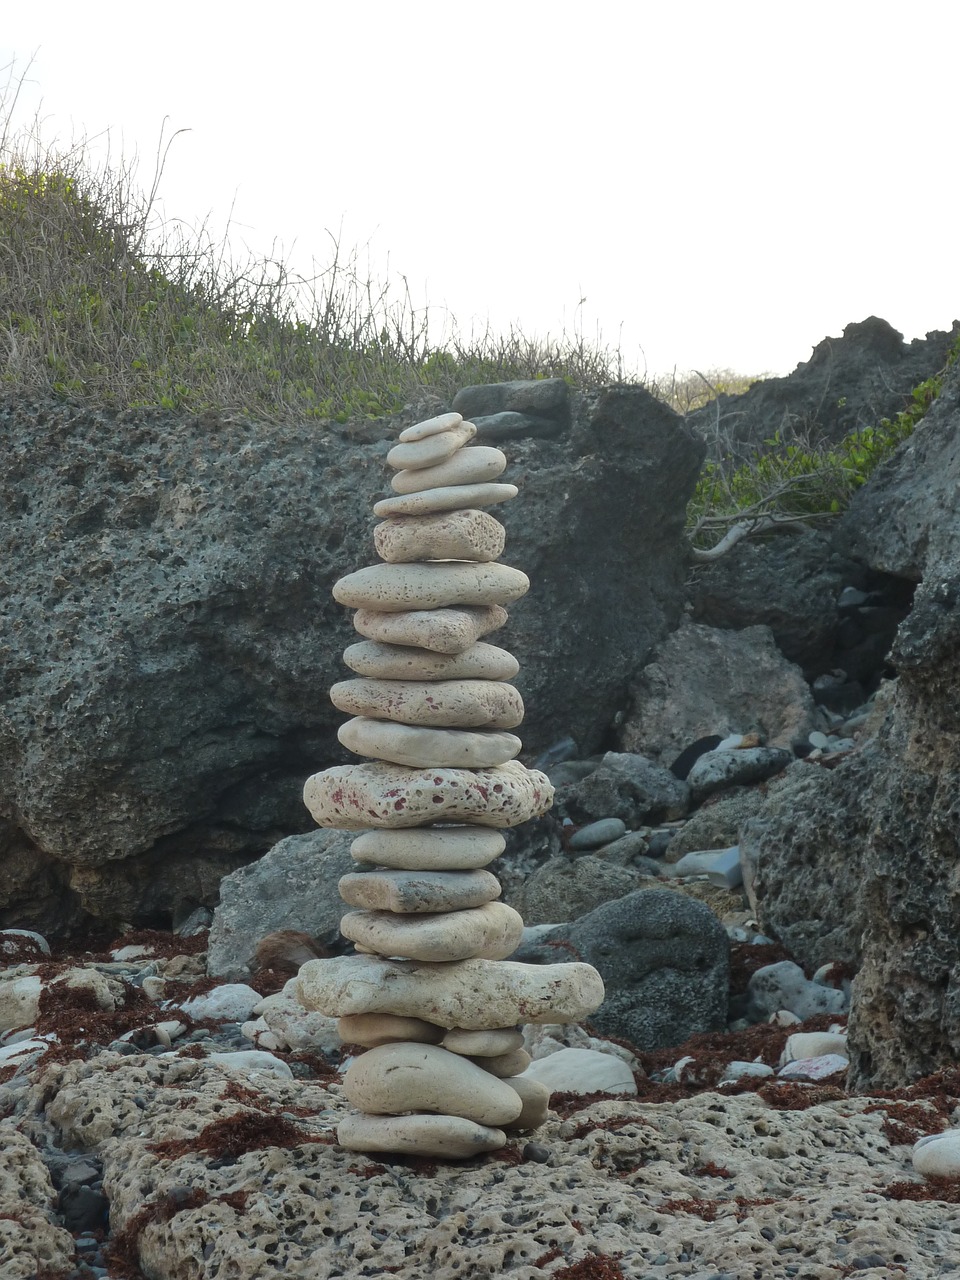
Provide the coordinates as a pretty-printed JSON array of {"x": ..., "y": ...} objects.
[
  {"x": 354, "y": 796},
  {"x": 474, "y": 994},
  {"x": 440, "y": 1137},
  {"x": 19, "y": 998},
  {"x": 467, "y": 466},
  {"x": 448, "y": 535},
  {"x": 373, "y": 1029},
  {"x": 435, "y": 704},
  {"x": 430, "y": 848},
  {"x": 230, "y": 1002},
  {"x": 408, "y": 892},
  {"x": 430, "y": 450},
  {"x": 483, "y": 1044},
  {"x": 535, "y": 1097},
  {"x": 402, "y": 662},
  {"x": 420, "y": 748},
  {"x": 490, "y": 932},
  {"x": 938, "y": 1155},
  {"x": 813, "y": 1044},
  {"x": 420, "y": 430},
  {"x": 400, "y": 588},
  {"x": 505, "y": 1065},
  {"x": 582, "y": 1071},
  {"x": 454, "y": 497},
  {"x": 402, "y": 1077},
  {"x": 447, "y": 631}
]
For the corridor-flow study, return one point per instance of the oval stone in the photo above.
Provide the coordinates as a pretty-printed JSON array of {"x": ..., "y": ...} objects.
[
  {"x": 430, "y": 848},
  {"x": 467, "y": 466},
  {"x": 483, "y": 1044},
  {"x": 535, "y": 1097},
  {"x": 412, "y": 891},
  {"x": 438, "y": 704},
  {"x": 419, "y": 747},
  {"x": 420, "y": 430},
  {"x": 448, "y": 498},
  {"x": 448, "y": 631},
  {"x": 403, "y": 662},
  {"x": 491, "y": 932},
  {"x": 399, "y": 588},
  {"x": 448, "y": 535},
  {"x": 506, "y": 1065},
  {"x": 402, "y": 1077},
  {"x": 373, "y": 1029},
  {"x": 432, "y": 449},
  {"x": 439, "y": 1137}
]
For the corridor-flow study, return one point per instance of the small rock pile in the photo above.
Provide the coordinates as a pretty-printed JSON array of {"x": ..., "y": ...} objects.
[{"x": 430, "y": 996}]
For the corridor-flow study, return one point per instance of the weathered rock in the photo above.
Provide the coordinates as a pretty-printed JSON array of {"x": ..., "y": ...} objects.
[
  {"x": 483, "y": 1044},
  {"x": 399, "y": 662},
  {"x": 491, "y": 932},
  {"x": 582, "y": 1071},
  {"x": 31, "y": 1240},
  {"x": 535, "y": 1097},
  {"x": 446, "y": 631},
  {"x": 505, "y": 1065},
  {"x": 628, "y": 787},
  {"x": 467, "y": 466},
  {"x": 430, "y": 450},
  {"x": 446, "y": 498},
  {"x": 454, "y": 535},
  {"x": 430, "y": 848},
  {"x": 373, "y": 1029},
  {"x": 565, "y": 888},
  {"x": 938, "y": 1155},
  {"x": 412, "y": 891},
  {"x": 461, "y": 704},
  {"x": 474, "y": 994},
  {"x": 417, "y": 747},
  {"x": 443, "y": 1137},
  {"x": 784, "y": 986},
  {"x": 718, "y": 824},
  {"x": 377, "y": 795},
  {"x": 539, "y": 398},
  {"x": 596, "y": 834},
  {"x": 430, "y": 427},
  {"x": 718, "y": 770},
  {"x": 404, "y": 588}
]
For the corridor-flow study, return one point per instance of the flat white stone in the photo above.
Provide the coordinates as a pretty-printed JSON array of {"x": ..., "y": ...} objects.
[
  {"x": 535, "y": 1097},
  {"x": 402, "y": 662},
  {"x": 813, "y": 1044},
  {"x": 409, "y": 892},
  {"x": 448, "y": 535},
  {"x": 420, "y": 430},
  {"x": 447, "y": 631},
  {"x": 505, "y": 1065},
  {"x": 402, "y": 1077},
  {"x": 490, "y": 932},
  {"x": 454, "y": 497},
  {"x": 467, "y": 466},
  {"x": 355, "y": 796},
  {"x": 430, "y": 848},
  {"x": 373, "y": 1029},
  {"x": 431, "y": 450},
  {"x": 473, "y": 994},
  {"x": 938, "y": 1155},
  {"x": 436, "y": 704},
  {"x": 420, "y": 748},
  {"x": 442, "y": 1137},
  {"x": 483, "y": 1044},
  {"x": 400, "y": 588},
  {"x": 582, "y": 1071}
]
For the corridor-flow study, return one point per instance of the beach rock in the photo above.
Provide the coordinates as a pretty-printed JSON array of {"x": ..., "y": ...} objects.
[
  {"x": 784, "y": 986},
  {"x": 628, "y": 787},
  {"x": 565, "y": 888},
  {"x": 373, "y": 1029},
  {"x": 399, "y": 662},
  {"x": 535, "y": 1097},
  {"x": 483, "y": 1044},
  {"x": 539, "y": 398},
  {"x": 582, "y": 1071},
  {"x": 430, "y": 427},
  {"x": 720, "y": 769},
  {"x": 418, "y": 747},
  {"x": 717, "y": 825},
  {"x": 430, "y": 449},
  {"x": 596, "y": 834},
  {"x": 454, "y": 535},
  {"x": 446, "y": 498},
  {"x": 231, "y": 1002},
  {"x": 460, "y": 704},
  {"x": 413, "y": 891},
  {"x": 938, "y": 1155},
  {"x": 441, "y": 1137},
  {"x": 467, "y": 466},
  {"x": 447, "y": 631},
  {"x": 813, "y": 1044},
  {"x": 430, "y": 848},
  {"x": 505, "y": 1065},
  {"x": 491, "y": 932},
  {"x": 401, "y": 588}
]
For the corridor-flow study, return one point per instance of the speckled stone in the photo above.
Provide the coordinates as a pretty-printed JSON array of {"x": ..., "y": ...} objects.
[
  {"x": 490, "y": 932},
  {"x": 453, "y": 497},
  {"x": 436, "y": 704},
  {"x": 430, "y": 848},
  {"x": 402, "y": 662},
  {"x": 467, "y": 466},
  {"x": 447, "y": 631},
  {"x": 448, "y": 535},
  {"x": 440, "y": 1137},
  {"x": 418, "y": 747},
  {"x": 400, "y": 588},
  {"x": 409, "y": 892}
]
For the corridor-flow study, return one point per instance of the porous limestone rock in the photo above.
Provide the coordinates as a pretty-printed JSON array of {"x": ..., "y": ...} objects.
[
  {"x": 438, "y": 704},
  {"x": 444, "y": 1137},
  {"x": 491, "y": 932},
  {"x": 31, "y": 1241},
  {"x": 413, "y": 891},
  {"x": 401, "y": 1076},
  {"x": 351, "y": 797},
  {"x": 450, "y": 535},
  {"x": 474, "y": 994},
  {"x": 466, "y": 466},
  {"x": 418, "y": 747},
  {"x": 400, "y": 588},
  {"x": 448, "y": 631},
  {"x": 480, "y": 661},
  {"x": 446, "y": 498},
  {"x": 430, "y": 450},
  {"x": 430, "y": 848}
]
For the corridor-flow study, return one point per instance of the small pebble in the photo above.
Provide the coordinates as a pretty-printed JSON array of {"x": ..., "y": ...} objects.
[{"x": 536, "y": 1152}]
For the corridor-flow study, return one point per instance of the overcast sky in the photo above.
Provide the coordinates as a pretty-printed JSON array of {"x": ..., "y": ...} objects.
[{"x": 724, "y": 184}]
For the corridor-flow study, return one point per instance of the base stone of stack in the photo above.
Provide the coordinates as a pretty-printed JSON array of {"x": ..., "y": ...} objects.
[{"x": 442, "y": 1137}]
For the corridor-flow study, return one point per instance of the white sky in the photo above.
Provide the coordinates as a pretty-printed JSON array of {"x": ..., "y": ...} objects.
[{"x": 724, "y": 183}]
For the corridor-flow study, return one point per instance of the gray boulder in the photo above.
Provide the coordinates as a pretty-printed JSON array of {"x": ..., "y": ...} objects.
[
  {"x": 626, "y": 786},
  {"x": 665, "y": 963},
  {"x": 785, "y": 986},
  {"x": 565, "y": 888},
  {"x": 544, "y": 399},
  {"x": 718, "y": 824},
  {"x": 717, "y": 770}
]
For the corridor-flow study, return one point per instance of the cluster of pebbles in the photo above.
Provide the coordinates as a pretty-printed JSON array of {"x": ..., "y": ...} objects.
[{"x": 429, "y": 995}]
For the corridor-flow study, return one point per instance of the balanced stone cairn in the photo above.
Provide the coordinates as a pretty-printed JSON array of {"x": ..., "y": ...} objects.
[{"x": 430, "y": 995}]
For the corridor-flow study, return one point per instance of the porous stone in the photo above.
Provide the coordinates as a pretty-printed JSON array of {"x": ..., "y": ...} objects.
[
  {"x": 402, "y": 1077},
  {"x": 442, "y": 1137},
  {"x": 430, "y": 848},
  {"x": 230, "y": 1002},
  {"x": 628, "y": 787},
  {"x": 430, "y": 427},
  {"x": 483, "y": 1044},
  {"x": 446, "y": 498},
  {"x": 430, "y": 450},
  {"x": 467, "y": 466},
  {"x": 403, "y": 662},
  {"x": 451, "y": 535},
  {"x": 491, "y": 932},
  {"x": 418, "y": 747},
  {"x": 413, "y": 891},
  {"x": 461, "y": 704},
  {"x": 401, "y": 588},
  {"x": 373, "y": 1029},
  {"x": 474, "y": 994},
  {"x": 719, "y": 769},
  {"x": 352, "y": 797},
  {"x": 447, "y": 631}
]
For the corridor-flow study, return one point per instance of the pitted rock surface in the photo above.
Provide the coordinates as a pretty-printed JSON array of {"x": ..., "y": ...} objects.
[
  {"x": 403, "y": 662},
  {"x": 456, "y": 535}
]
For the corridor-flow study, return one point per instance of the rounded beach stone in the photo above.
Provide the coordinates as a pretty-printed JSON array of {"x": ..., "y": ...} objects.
[
  {"x": 423, "y": 748},
  {"x": 402, "y": 662},
  {"x": 506, "y": 1065},
  {"x": 483, "y": 1044},
  {"x": 439, "y": 704},
  {"x": 449, "y": 535},
  {"x": 448, "y": 631},
  {"x": 402, "y": 1077},
  {"x": 581, "y": 1071},
  {"x": 355, "y": 796},
  {"x": 938, "y": 1155},
  {"x": 373, "y": 1029},
  {"x": 473, "y": 994},
  {"x": 535, "y": 1097},
  {"x": 453, "y": 497},
  {"x": 400, "y": 588},
  {"x": 408, "y": 892},
  {"x": 441, "y": 1137},
  {"x": 420, "y": 430},
  {"x": 467, "y": 466},
  {"x": 430, "y": 849},
  {"x": 431, "y": 450},
  {"x": 491, "y": 932}
]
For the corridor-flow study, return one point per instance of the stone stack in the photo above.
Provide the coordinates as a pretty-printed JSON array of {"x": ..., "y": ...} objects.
[{"x": 430, "y": 995}]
